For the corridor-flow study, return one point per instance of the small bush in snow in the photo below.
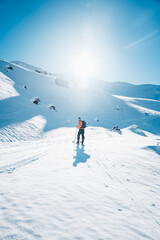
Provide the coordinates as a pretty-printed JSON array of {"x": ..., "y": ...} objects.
[
  {"x": 36, "y": 100},
  {"x": 52, "y": 107},
  {"x": 10, "y": 67},
  {"x": 115, "y": 128},
  {"x": 96, "y": 119},
  {"x": 38, "y": 71},
  {"x": 118, "y": 108}
]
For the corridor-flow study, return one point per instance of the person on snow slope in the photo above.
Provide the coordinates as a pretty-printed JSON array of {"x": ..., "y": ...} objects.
[{"x": 81, "y": 128}]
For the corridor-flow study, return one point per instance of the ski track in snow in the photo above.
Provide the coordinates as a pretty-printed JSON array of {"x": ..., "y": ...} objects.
[{"x": 110, "y": 194}]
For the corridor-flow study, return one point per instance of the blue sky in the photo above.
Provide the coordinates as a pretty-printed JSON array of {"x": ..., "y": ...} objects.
[{"x": 122, "y": 37}]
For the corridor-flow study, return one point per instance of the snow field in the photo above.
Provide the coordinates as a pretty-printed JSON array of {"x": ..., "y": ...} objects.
[{"x": 111, "y": 193}]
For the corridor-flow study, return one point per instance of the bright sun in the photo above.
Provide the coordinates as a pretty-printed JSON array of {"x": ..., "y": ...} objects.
[{"x": 83, "y": 68}]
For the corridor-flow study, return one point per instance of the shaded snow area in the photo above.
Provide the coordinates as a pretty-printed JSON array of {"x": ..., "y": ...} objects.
[{"x": 53, "y": 189}]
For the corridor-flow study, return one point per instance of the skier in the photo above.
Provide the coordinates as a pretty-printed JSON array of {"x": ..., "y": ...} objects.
[{"x": 81, "y": 126}]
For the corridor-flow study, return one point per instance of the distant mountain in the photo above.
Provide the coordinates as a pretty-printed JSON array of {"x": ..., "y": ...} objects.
[{"x": 130, "y": 90}]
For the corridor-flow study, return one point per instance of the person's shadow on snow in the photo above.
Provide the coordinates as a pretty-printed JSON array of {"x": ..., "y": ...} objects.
[{"x": 81, "y": 156}]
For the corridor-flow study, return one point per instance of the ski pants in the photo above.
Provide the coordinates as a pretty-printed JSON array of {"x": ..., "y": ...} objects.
[{"x": 80, "y": 132}]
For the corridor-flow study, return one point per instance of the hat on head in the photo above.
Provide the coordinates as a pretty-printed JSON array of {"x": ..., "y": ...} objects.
[{"x": 79, "y": 118}]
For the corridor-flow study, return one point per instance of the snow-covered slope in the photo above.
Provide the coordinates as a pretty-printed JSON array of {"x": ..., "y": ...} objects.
[
  {"x": 96, "y": 105},
  {"x": 30, "y": 67},
  {"x": 52, "y": 189}
]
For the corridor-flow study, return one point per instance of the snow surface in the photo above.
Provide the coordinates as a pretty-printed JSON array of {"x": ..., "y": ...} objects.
[
  {"x": 6, "y": 87},
  {"x": 51, "y": 188}
]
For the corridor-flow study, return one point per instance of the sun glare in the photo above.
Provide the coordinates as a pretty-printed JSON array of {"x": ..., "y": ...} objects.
[{"x": 83, "y": 69}]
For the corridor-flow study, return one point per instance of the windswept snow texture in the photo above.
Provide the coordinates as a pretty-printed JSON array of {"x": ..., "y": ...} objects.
[
  {"x": 51, "y": 188},
  {"x": 108, "y": 189}
]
